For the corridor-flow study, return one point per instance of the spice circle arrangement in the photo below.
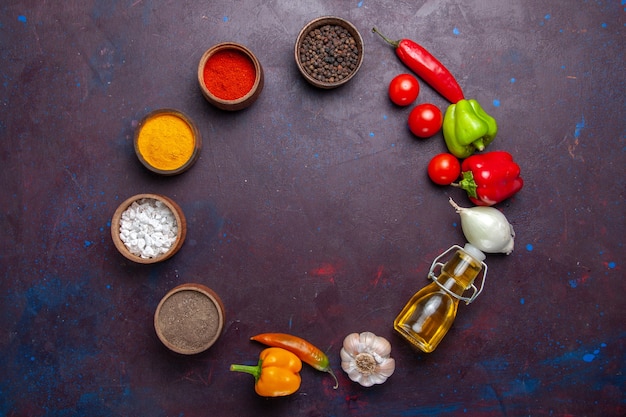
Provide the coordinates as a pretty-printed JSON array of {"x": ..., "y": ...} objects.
[
  {"x": 167, "y": 142},
  {"x": 189, "y": 319},
  {"x": 230, "y": 76},
  {"x": 148, "y": 228},
  {"x": 329, "y": 51}
]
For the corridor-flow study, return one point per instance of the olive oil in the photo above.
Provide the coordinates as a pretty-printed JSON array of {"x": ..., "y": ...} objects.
[{"x": 429, "y": 314}]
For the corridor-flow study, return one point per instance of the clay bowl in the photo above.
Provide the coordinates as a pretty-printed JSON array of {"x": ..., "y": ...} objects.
[
  {"x": 189, "y": 319},
  {"x": 238, "y": 103},
  {"x": 173, "y": 118},
  {"x": 299, "y": 51},
  {"x": 178, "y": 216}
]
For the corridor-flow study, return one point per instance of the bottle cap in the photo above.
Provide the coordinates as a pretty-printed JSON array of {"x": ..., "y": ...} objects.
[{"x": 474, "y": 252}]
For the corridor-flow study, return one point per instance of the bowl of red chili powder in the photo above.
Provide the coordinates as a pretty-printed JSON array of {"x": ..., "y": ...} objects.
[
  {"x": 329, "y": 51},
  {"x": 230, "y": 76}
]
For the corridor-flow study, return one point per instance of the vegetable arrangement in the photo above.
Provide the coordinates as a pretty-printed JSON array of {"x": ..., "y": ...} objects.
[
  {"x": 466, "y": 126},
  {"x": 488, "y": 179},
  {"x": 427, "y": 67},
  {"x": 303, "y": 349}
]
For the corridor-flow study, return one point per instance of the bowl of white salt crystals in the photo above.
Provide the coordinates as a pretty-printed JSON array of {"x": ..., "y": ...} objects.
[{"x": 148, "y": 228}]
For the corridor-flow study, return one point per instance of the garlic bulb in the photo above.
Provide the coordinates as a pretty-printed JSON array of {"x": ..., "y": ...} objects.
[{"x": 365, "y": 358}]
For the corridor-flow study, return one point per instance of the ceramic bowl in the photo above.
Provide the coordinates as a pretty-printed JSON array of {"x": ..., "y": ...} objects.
[
  {"x": 136, "y": 257},
  {"x": 316, "y": 24},
  {"x": 243, "y": 101},
  {"x": 189, "y": 319},
  {"x": 172, "y": 118}
]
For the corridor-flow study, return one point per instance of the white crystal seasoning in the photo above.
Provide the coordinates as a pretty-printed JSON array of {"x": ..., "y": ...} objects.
[{"x": 148, "y": 228}]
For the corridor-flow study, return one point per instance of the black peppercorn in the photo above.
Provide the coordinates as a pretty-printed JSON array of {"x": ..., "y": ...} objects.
[{"x": 329, "y": 53}]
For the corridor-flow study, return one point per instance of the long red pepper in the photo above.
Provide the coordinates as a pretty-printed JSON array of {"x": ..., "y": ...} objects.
[
  {"x": 427, "y": 67},
  {"x": 303, "y": 349}
]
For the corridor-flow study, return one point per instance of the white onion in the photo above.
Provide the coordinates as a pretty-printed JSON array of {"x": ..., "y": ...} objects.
[{"x": 486, "y": 228}]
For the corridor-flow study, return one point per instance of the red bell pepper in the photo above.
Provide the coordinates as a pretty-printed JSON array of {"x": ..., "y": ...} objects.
[{"x": 490, "y": 177}]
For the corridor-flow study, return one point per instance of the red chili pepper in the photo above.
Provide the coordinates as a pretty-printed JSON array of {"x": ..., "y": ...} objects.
[
  {"x": 427, "y": 67},
  {"x": 304, "y": 350},
  {"x": 490, "y": 177}
]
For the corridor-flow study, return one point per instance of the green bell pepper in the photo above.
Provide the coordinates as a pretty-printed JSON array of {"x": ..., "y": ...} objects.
[{"x": 468, "y": 128}]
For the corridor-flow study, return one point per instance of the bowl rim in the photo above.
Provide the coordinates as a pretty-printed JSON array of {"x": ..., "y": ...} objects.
[
  {"x": 194, "y": 130},
  {"x": 211, "y": 295},
  {"x": 314, "y": 24},
  {"x": 178, "y": 215},
  {"x": 250, "y": 96}
]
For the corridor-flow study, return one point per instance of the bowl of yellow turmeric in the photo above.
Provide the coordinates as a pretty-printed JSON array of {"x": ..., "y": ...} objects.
[{"x": 167, "y": 142}]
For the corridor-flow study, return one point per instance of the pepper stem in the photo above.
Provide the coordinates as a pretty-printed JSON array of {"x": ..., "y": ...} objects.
[
  {"x": 468, "y": 184},
  {"x": 330, "y": 371},
  {"x": 254, "y": 370},
  {"x": 391, "y": 42}
]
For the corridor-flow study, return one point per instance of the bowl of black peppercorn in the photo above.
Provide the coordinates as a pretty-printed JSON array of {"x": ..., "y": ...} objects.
[{"x": 329, "y": 51}]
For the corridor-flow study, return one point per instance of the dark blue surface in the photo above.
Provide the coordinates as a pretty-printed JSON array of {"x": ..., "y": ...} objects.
[{"x": 310, "y": 212}]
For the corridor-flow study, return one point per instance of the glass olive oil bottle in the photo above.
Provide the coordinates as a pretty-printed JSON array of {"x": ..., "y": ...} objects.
[{"x": 429, "y": 314}]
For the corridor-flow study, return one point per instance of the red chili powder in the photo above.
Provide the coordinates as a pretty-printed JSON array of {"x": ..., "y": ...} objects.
[{"x": 229, "y": 74}]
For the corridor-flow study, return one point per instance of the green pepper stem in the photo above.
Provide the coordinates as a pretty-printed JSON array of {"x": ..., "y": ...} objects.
[
  {"x": 393, "y": 43},
  {"x": 479, "y": 144},
  {"x": 468, "y": 184},
  {"x": 254, "y": 370},
  {"x": 330, "y": 371}
]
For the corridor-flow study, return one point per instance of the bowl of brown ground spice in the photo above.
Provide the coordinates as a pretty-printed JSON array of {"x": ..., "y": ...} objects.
[
  {"x": 230, "y": 76},
  {"x": 167, "y": 142},
  {"x": 329, "y": 51},
  {"x": 189, "y": 319}
]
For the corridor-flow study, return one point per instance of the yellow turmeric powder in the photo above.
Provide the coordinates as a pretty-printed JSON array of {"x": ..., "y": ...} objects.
[{"x": 166, "y": 141}]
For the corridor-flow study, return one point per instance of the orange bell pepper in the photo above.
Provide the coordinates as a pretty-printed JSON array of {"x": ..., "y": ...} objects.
[
  {"x": 276, "y": 374},
  {"x": 303, "y": 349}
]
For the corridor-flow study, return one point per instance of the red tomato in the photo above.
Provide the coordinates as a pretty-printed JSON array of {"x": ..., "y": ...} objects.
[
  {"x": 403, "y": 89},
  {"x": 444, "y": 169},
  {"x": 425, "y": 120}
]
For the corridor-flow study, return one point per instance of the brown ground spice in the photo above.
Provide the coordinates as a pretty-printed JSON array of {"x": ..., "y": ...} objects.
[{"x": 189, "y": 320}]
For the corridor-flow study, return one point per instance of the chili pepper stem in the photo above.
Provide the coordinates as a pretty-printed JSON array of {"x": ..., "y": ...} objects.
[
  {"x": 254, "y": 370},
  {"x": 391, "y": 42},
  {"x": 330, "y": 371}
]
